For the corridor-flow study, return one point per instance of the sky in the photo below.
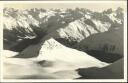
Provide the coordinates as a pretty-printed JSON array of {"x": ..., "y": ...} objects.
[{"x": 94, "y": 6}]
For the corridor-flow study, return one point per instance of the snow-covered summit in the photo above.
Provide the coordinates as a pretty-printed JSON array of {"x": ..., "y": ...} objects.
[{"x": 51, "y": 44}]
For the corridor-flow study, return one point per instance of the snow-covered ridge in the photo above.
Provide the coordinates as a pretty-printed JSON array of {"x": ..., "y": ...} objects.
[
  {"x": 35, "y": 16},
  {"x": 51, "y": 44},
  {"x": 74, "y": 25},
  {"x": 81, "y": 29},
  {"x": 51, "y": 50}
]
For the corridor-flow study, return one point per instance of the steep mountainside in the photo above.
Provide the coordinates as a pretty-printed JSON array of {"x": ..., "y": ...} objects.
[
  {"x": 107, "y": 46},
  {"x": 71, "y": 26},
  {"x": 79, "y": 30}
]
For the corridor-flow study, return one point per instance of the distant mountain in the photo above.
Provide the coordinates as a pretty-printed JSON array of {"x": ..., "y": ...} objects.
[
  {"x": 79, "y": 30},
  {"x": 71, "y": 25}
]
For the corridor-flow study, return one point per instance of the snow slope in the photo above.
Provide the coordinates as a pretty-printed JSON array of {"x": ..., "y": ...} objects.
[
  {"x": 8, "y": 53},
  {"x": 53, "y": 61},
  {"x": 51, "y": 50}
]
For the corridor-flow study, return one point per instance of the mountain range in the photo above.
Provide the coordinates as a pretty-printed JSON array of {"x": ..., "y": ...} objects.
[{"x": 59, "y": 42}]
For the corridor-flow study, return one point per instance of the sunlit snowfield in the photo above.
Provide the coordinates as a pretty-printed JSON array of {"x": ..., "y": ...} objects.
[{"x": 62, "y": 43}]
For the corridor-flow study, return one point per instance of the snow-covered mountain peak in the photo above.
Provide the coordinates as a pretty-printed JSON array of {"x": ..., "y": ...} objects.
[
  {"x": 51, "y": 50},
  {"x": 47, "y": 14},
  {"x": 113, "y": 17},
  {"x": 51, "y": 44}
]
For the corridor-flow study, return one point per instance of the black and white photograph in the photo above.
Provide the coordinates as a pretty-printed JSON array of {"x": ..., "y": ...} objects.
[{"x": 64, "y": 40}]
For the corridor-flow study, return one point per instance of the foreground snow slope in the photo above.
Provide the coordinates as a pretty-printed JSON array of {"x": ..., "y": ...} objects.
[
  {"x": 8, "y": 53},
  {"x": 53, "y": 61}
]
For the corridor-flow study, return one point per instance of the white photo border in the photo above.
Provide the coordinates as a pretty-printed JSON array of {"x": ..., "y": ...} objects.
[{"x": 2, "y": 3}]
